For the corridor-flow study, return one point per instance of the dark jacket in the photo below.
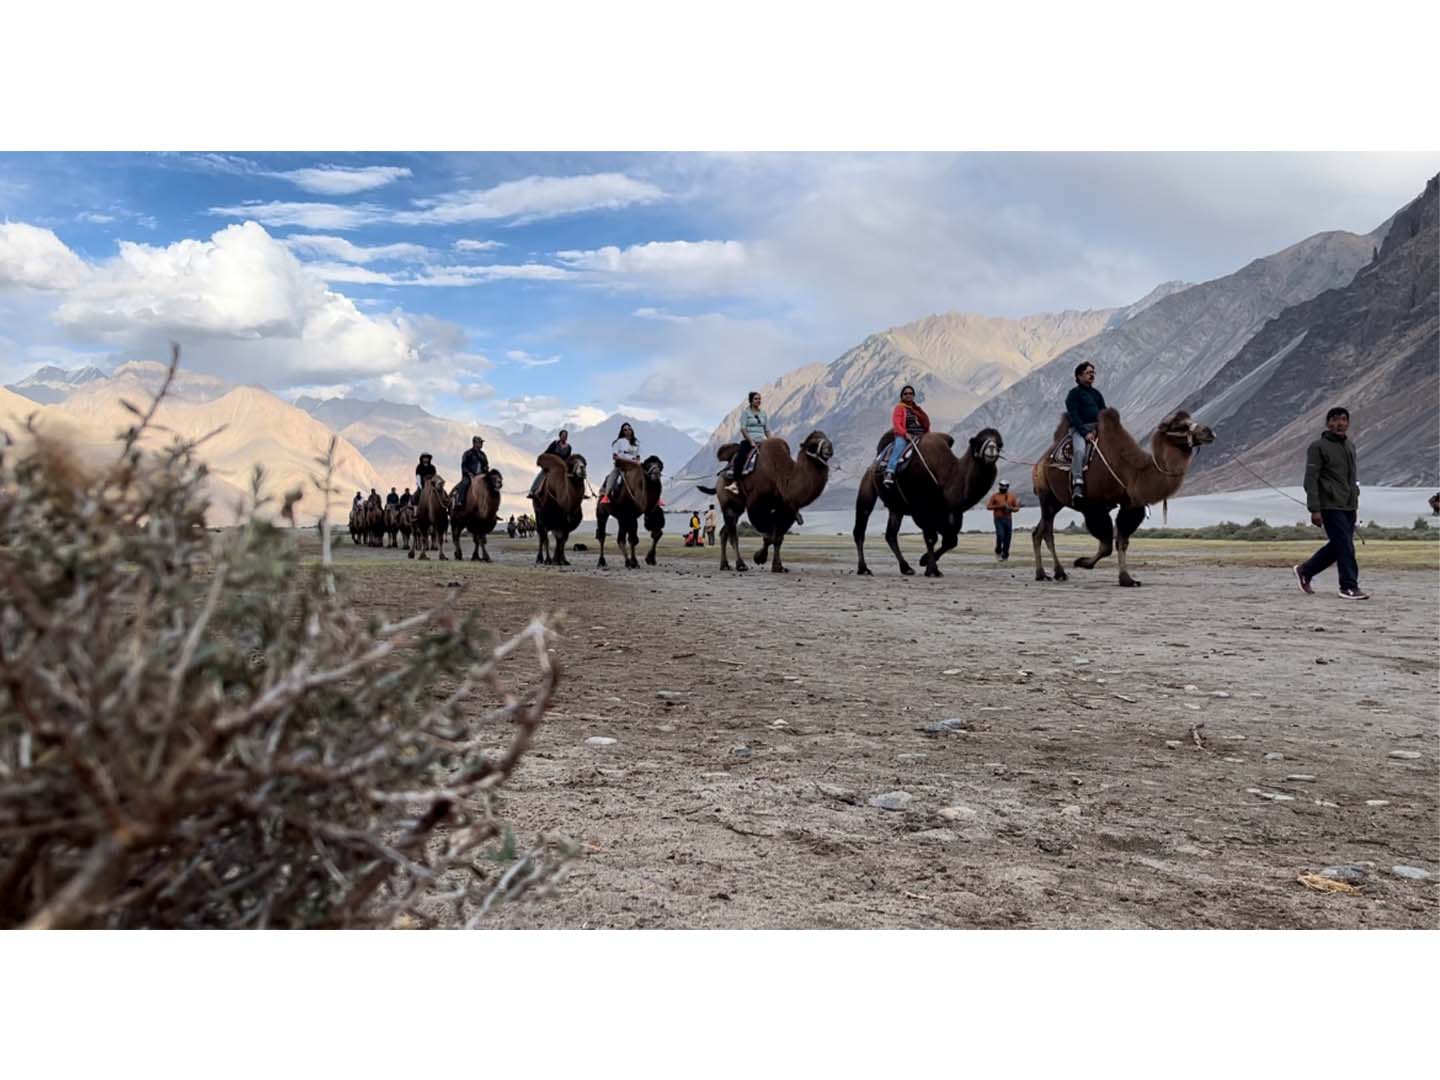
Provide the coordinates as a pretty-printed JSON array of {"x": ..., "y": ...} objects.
[
  {"x": 422, "y": 476},
  {"x": 474, "y": 462},
  {"x": 1083, "y": 405},
  {"x": 560, "y": 450},
  {"x": 393, "y": 499},
  {"x": 1332, "y": 479}
]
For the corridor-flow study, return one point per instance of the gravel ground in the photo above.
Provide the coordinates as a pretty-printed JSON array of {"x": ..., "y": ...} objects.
[{"x": 977, "y": 751}]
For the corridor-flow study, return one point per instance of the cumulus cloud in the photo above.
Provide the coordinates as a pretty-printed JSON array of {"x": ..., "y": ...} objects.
[
  {"x": 477, "y": 245},
  {"x": 436, "y": 276},
  {"x": 36, "y": 258},
  {"x": 342, "y": 179},
  {"x": 546, "y": 411},
  {"x": 533, "y": 199},
  {"x": 240, "y": 301},
  {"x": 337, "y": 247}
]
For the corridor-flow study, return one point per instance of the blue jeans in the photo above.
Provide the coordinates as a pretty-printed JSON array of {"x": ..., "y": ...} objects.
[
  {"x": 1003, "y": 528},
  {"x": 1339, "y": 549},
  {"x": 1079, "y": 454},
  {"x": 896, "y": 449}
]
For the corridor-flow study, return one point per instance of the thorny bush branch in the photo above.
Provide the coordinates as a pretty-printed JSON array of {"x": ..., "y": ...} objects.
[{"x": 197, "y": 729}]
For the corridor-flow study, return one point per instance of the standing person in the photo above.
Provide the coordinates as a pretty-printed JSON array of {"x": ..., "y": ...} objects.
[
  {"x": 909, "y": 422},
  {"x": 694, "y": 527},
  {"x": 560, "y": 447},
  {"x": 1003, "y": 505},
  {"x": 1332, "y": 494},
  {"x": 625, "y": 448},
  {"x": 1083, "y": 406},
  {"x": 754, "y": 427},
  {"x": 710, "y": 525}
]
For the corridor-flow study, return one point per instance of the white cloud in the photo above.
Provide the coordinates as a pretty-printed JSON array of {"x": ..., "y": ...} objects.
[
  {"x": 342, "y": 179},
  {"x": 337, "y": 247},
  {"x": 524, "y": 359},
  {"x": 36, "y": 258},
  {"x": 310, "y": 215},
  {"x": 545, "y": 411},
  {"x": 658, "y": 315},
  {"x": 435, "y": 277},
  {"x": 477, "y": 245},
  {"x": 533, "y": 199},
  {"x": 678, "y": 266},
  {"x": 93, "y": 218}
]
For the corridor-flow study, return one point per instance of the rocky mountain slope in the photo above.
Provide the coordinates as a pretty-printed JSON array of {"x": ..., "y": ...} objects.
[
  {"x": 674, "y": 447},
  {"x": 1372, "y": 345},
  {"x": 1150, "y": 364},
  {"x": 50, "y": 384}
]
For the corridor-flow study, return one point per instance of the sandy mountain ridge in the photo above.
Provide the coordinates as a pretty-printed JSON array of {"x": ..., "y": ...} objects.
[
  {"x": 955, "y": 360},
  {"x": 256, "y": 427}
]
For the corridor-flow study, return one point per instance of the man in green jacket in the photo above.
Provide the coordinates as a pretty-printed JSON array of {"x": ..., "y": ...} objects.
[{"x": 1332, "y": 494}]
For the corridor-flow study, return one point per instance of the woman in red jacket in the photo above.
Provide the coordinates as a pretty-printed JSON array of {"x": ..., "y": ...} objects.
[{"x": 908, "y": 422}]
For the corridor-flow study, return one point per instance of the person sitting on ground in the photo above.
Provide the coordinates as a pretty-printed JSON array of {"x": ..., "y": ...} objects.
[
  {"x": 473, "y": 463},
  {"x": 909, "y": 421},
  {"x": 754, "y": 426},
  {"x": 1083, "y": 406},
  {"x": 625, "y": 448},
  {"x": 405, "y": 498},
  {"x": 423, "y": 472},
  {"x": 1003, "y": 505},
  {"x": 393, "y": 499},
  {"x": 561, "y": 448}
]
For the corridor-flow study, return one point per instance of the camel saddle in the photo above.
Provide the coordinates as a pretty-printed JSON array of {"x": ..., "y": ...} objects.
[
  {"x": 882, "y": 452},
  {"x": 750, "y": 462}
]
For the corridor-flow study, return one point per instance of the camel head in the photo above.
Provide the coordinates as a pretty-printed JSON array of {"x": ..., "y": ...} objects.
[
  {"x": 1180, "y": 427},
  {"x": 495, "y": 480},
  {"x": 986, "y": 446},
  {"x": 654, "y": 469},
  {"x": 817, "y": 445},
  {"x": 577, "y": 467}
]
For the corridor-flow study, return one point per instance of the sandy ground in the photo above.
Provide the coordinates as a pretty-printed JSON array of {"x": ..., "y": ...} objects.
[{"x": 1037, "y": 742}]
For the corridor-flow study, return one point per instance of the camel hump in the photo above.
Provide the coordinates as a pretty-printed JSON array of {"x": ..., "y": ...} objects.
[
  {"x": 726, "y": 451},
  {"x": 1063, "y": 428}
]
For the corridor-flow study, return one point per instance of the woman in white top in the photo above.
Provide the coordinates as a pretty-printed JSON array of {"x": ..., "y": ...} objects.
[{"x": 625, "y": 448}]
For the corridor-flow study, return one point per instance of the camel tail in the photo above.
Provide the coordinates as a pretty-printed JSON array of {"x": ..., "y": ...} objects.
[
  {"x": 702, "y": 487},
  {"x": 1165, "y": 511}
]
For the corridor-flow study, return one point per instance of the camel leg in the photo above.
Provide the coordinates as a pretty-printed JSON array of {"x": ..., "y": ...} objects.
[
  {"x": 1098, "y": 524},
  {"x": 654, "y": 543},
  {"x": 1126, "y": 522},
  {"x": 928, "y": 560},
  {"x": 763, "y": 555},
  {"x": 632, "y": 560},
  {"x": 601, "y": 523},
  {"x": 864, "y": 507},
  {"x": 1044, "y": 532},
  {"x": 892, "y": 537},
  {"x": 560, "y": 538},
  {"x": 776, "y": 567},
  {"x": 947, "y": 542},
  {"x": 542, "y": 547}
]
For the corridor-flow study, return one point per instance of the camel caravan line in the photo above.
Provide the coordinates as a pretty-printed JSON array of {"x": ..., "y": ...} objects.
[{"x": 929, "y": 483}]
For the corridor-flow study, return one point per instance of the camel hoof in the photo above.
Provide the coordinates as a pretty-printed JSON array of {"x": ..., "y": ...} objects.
[
  {"x": 740, "y": 565},
  {"x": 907, "y": 569},
  {"x": 1129, "y": 582},
  {"x": 864, "y": 571},
  {"x": 649, "y": 560},
  {"x": 933, "y": 571},
  {"x": 761, "y": 556},
  {"x": 1060, "y": 575},
  {"x": 1084, "y": 563},
  {"x": 601, "y": 564},
  {"x": 925, "y": 559},
  {"x": 778, "y": 569},
  {"x": 1040, "y": 575},
  {"x": 410, "y": 554}
]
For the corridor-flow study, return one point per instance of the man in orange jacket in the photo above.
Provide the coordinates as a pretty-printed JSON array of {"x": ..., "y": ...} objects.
[
  {"x": 1003, "y": 505},
  {"x": 908, "y": 422}
]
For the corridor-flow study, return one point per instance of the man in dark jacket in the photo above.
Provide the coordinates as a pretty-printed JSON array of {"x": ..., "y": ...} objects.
[
  {"x": 472, "y": 463},
  {"x": 1332, "y": 494},
  {"x": 405, "y": 498},
  {"x": 393, "y": 499},
  {"x": 1083, "y": 406},
  {"x": 423, "y": 472}
]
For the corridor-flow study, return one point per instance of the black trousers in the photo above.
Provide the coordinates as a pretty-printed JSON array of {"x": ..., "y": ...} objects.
[{"x": 1339, "y": 550}]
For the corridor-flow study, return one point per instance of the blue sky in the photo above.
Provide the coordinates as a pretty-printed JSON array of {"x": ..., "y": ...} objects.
[{"x": 550, "y": 287}]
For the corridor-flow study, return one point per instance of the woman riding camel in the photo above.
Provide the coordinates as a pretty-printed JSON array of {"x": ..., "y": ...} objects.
[
  {"x": 754, "y": 427},
  {"x": 909, "y": 422},
  {"x": 625, "y": 448},
  {"x": 560, "y": 447}
]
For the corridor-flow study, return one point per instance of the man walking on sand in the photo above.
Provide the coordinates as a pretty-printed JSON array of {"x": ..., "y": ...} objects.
[
  {"x": 1332, "y": 494},
  {"x": 1003, "y": 505}
]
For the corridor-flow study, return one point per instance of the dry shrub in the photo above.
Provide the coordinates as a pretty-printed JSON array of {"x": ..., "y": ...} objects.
[{"x": 196, "y": 730}]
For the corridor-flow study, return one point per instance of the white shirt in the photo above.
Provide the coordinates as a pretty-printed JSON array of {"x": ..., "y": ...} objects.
[{"x": 625, "y": 450}]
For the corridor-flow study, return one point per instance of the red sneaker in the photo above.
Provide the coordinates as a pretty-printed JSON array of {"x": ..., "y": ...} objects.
[{"x": 1303, "y": 580}]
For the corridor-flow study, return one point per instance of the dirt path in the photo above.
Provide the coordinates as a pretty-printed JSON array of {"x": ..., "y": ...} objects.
[{"x": 1036, "y": 741}]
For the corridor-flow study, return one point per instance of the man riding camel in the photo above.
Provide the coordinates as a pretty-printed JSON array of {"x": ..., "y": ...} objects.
[
  {"x": 625, "y": 448},
  {"x": 473, "y": 463},
  {"x": 561, "y": 448},
  {"x": 909, "y": 422},
  {"x": 423, "y": 472},
  {"x": 393, "y": 499},
  {"x": 359, "y": 501},
  {"x": 754, "y": 426},
  {"x": 406, "y": 498},
  {"x": 1083, "y": 406},
  {"x": 374, "y": 499}
]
